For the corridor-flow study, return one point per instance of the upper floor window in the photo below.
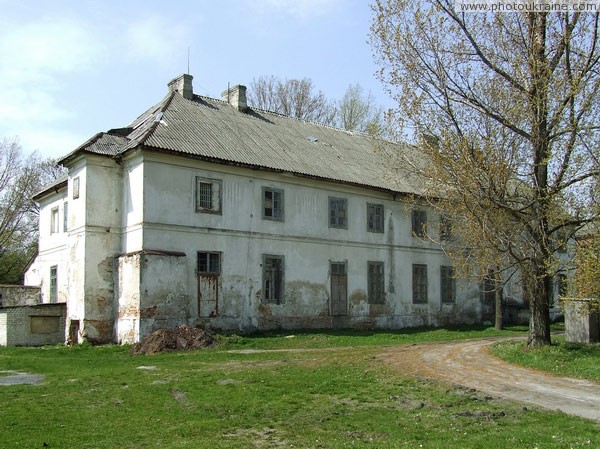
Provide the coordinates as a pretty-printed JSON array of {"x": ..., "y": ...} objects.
[
  {"x": 338, "y": 213},
  {"x": 272, "y": 204},
  {"x": 445, "y": 228},
  {"x": 374, "y": 217},
  {"x": 419, "y": 223},
  {"x": 54, "y": 220},
  {"x": 208, "y": 195},
  {"x": 65, "y": 216},
  {"x": 76, "y": 187}
]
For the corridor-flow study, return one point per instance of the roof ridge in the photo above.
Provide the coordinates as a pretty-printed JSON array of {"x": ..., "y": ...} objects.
[{"x": 279, "y": 114}]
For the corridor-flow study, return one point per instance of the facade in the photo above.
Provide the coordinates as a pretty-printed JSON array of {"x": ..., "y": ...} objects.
[{"x": 206, "y": 212}]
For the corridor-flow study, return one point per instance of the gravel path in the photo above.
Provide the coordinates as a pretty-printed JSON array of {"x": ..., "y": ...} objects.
[{"x": 469, "y": 364}]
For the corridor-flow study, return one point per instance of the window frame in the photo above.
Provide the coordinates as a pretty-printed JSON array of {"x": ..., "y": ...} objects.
[
  {"x": 76, "y": 187},
  {"x": 279, "y": 216},
  {"x": 419, "y": 223},
  {"x": 279, "y": 290},
  {"x": 445, "y": 228},
  {"x": 375, "y": 286},
  {"x": 372, "y": 224},
  {"x": 215, "y": 193},
  {"x": 209, "y": 263},
  {"x": 53, "y": 284},
  {"x": 420, "y": 284},
  {"x": 334, "y": 202},
  {"x": 54, "y": 221},
  {"x": 447, "y": 284}
]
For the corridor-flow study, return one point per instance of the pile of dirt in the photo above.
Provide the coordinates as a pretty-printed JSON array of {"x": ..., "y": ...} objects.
[{"x": 173, "y": 339}]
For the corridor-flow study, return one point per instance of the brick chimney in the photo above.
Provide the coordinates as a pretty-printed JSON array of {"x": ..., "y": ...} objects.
[
  {"x": 236, "y": 97},
  {"x": 183, "y": 85}
]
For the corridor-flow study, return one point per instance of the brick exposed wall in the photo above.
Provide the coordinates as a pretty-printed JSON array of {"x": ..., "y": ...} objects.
[{"x": 42, "y": 324}]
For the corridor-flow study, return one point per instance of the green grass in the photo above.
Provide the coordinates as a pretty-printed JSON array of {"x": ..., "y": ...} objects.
[
  {"x": 561, "y": 358},
  {"x": 338, "y": 395}
]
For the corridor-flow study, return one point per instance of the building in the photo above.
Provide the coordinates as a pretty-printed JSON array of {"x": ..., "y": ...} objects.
[{"x": 207, "y": 212}]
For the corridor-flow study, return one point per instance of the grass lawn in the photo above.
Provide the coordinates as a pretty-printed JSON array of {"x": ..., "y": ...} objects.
[
  {"x": 316, "y": 390},
  {"x": 561, "y": 358}
]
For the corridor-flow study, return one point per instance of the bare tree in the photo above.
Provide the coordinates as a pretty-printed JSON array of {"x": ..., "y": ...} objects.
[
  {"x": 510, "y": 100},
  {"x": 358, "y": 111},
  {"x": 20, "y": 178},
  {"x": 295, "y": 98}
]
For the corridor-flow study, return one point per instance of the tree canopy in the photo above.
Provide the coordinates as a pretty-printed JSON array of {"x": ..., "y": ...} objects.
[{"x": 507, "y": 108}]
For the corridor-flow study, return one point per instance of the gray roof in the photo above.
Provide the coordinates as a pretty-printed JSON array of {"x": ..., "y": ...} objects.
[{"x": 211, "y": 129}]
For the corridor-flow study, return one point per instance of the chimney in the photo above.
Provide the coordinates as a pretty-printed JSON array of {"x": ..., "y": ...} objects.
[
  {"x": 236, "y": 97},
  {"x": 183, "y": 85}
]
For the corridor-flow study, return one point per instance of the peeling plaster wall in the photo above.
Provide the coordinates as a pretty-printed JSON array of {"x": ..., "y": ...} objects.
[
  {"x": 151, "y": 293},
  {"x": 307, "y": 244}
]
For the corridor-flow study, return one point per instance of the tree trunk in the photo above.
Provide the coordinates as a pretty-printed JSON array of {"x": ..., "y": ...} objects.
[
  {"x": 539, "y": 307},
  {"x": 499, "y": 317}
]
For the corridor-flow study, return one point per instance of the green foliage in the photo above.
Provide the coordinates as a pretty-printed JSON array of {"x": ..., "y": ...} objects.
[
  {"x": 336, "y": 395},
  {"x": 588, "y": 269}
]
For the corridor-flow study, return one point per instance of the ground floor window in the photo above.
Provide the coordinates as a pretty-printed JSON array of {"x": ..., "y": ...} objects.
[
  {"x": 209, "y": 262},
  {"x": 376, "y": 283},
  {"x": 419, "y": 284},
  {"x": 448, "y": 285},
  {"x": 54, "y": 283},
  {"x": 273, "y": 279}
]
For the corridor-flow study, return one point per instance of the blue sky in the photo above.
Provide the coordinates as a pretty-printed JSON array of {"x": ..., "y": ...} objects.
[{"x": 69, "y": 69}]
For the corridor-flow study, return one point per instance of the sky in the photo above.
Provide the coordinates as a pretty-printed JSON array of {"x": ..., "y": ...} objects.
[{"x": 70, "y": 69}]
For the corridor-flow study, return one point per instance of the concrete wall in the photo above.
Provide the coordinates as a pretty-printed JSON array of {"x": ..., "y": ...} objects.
[
  {"x": 19, "y": 295},
  {"x": 38, "y": 325},
  {"x": 581, "y": 325}
]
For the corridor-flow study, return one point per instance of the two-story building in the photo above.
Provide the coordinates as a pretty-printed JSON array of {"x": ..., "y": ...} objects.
[{"x": 208, "y": 212}]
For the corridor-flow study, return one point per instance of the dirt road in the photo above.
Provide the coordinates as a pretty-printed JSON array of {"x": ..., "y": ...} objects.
[{"x": 469, "y": 364}]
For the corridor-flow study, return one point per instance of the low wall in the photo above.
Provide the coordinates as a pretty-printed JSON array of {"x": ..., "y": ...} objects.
[
  {"x": 19, "y": 295},
  {"x": 42, "y": 324},
  {"x": 582, "y": 321}
]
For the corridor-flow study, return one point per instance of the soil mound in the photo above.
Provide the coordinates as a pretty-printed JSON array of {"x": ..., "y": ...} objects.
[{"x": 173, "y": 339}]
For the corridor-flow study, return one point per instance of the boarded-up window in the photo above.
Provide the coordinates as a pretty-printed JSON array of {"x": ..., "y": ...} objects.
[
  {"x": 45, "y": 324},
  {"x": 448, "y": 284},
  {"x": 374, "y": 217},
  {"x": 76, "y": 187},
  {"x": 273, "y": 279},
  {"x": 376, "y": 283},
  {"x": 65, "y": 217},
  {"x": 339, "y": 289},
  {"x": 272, "y": 204},
  {"x": 419, "y": 283},
  {"x": 419, "y": 223},
  {"x": 208, "y": 195},
  {"x": 338, "y": 213}
]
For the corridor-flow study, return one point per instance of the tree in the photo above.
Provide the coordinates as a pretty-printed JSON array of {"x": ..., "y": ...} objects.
[
  {"x": 20, "y": 178},
  {"x": 358, "y": 112},
  {"x": 295, "y": 98},
  {"x": 510, "y": 101}
]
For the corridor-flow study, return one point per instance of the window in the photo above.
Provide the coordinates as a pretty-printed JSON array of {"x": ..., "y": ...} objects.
[
  {"x": 376, "y": 283},
  {"x": 53, "y": 284},
  {"x": 445, "y": 228},
  {"x": 374, "y": 217},
  {"x": 338, "y": 217},
  {"x": 272, "y": 204},
  {"x": 447, "y": 284},
  {"x": 76, "y": 188},
  {"x": 273, "y": 279},
  {"x": 65, "y": 217},
  {"x": 419, "y": 223},
  {"x": 208, "y": 195},
  {"x": 54, "y": 220},
  {"x": 209, "y": 263},
  {"x": 419, "y": 284},
  {"x": 339, "y": 288}
]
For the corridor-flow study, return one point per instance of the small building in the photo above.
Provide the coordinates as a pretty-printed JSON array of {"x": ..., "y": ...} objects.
[
  {"x": 207, "y": 212},
  {"x": 582, "y": 321}
]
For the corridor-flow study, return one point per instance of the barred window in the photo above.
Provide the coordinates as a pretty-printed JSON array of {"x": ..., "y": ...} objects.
[
  {"x": 419, "y": 284},
  {"x": 338, "y": 213},
  {"x": 208, "y": 195},
  {"x": 209, "y": 262},
  {"x": 376, "y": 283},
  {"x": 273, "y": 279},
  {"x": 448, "y": 284}
]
